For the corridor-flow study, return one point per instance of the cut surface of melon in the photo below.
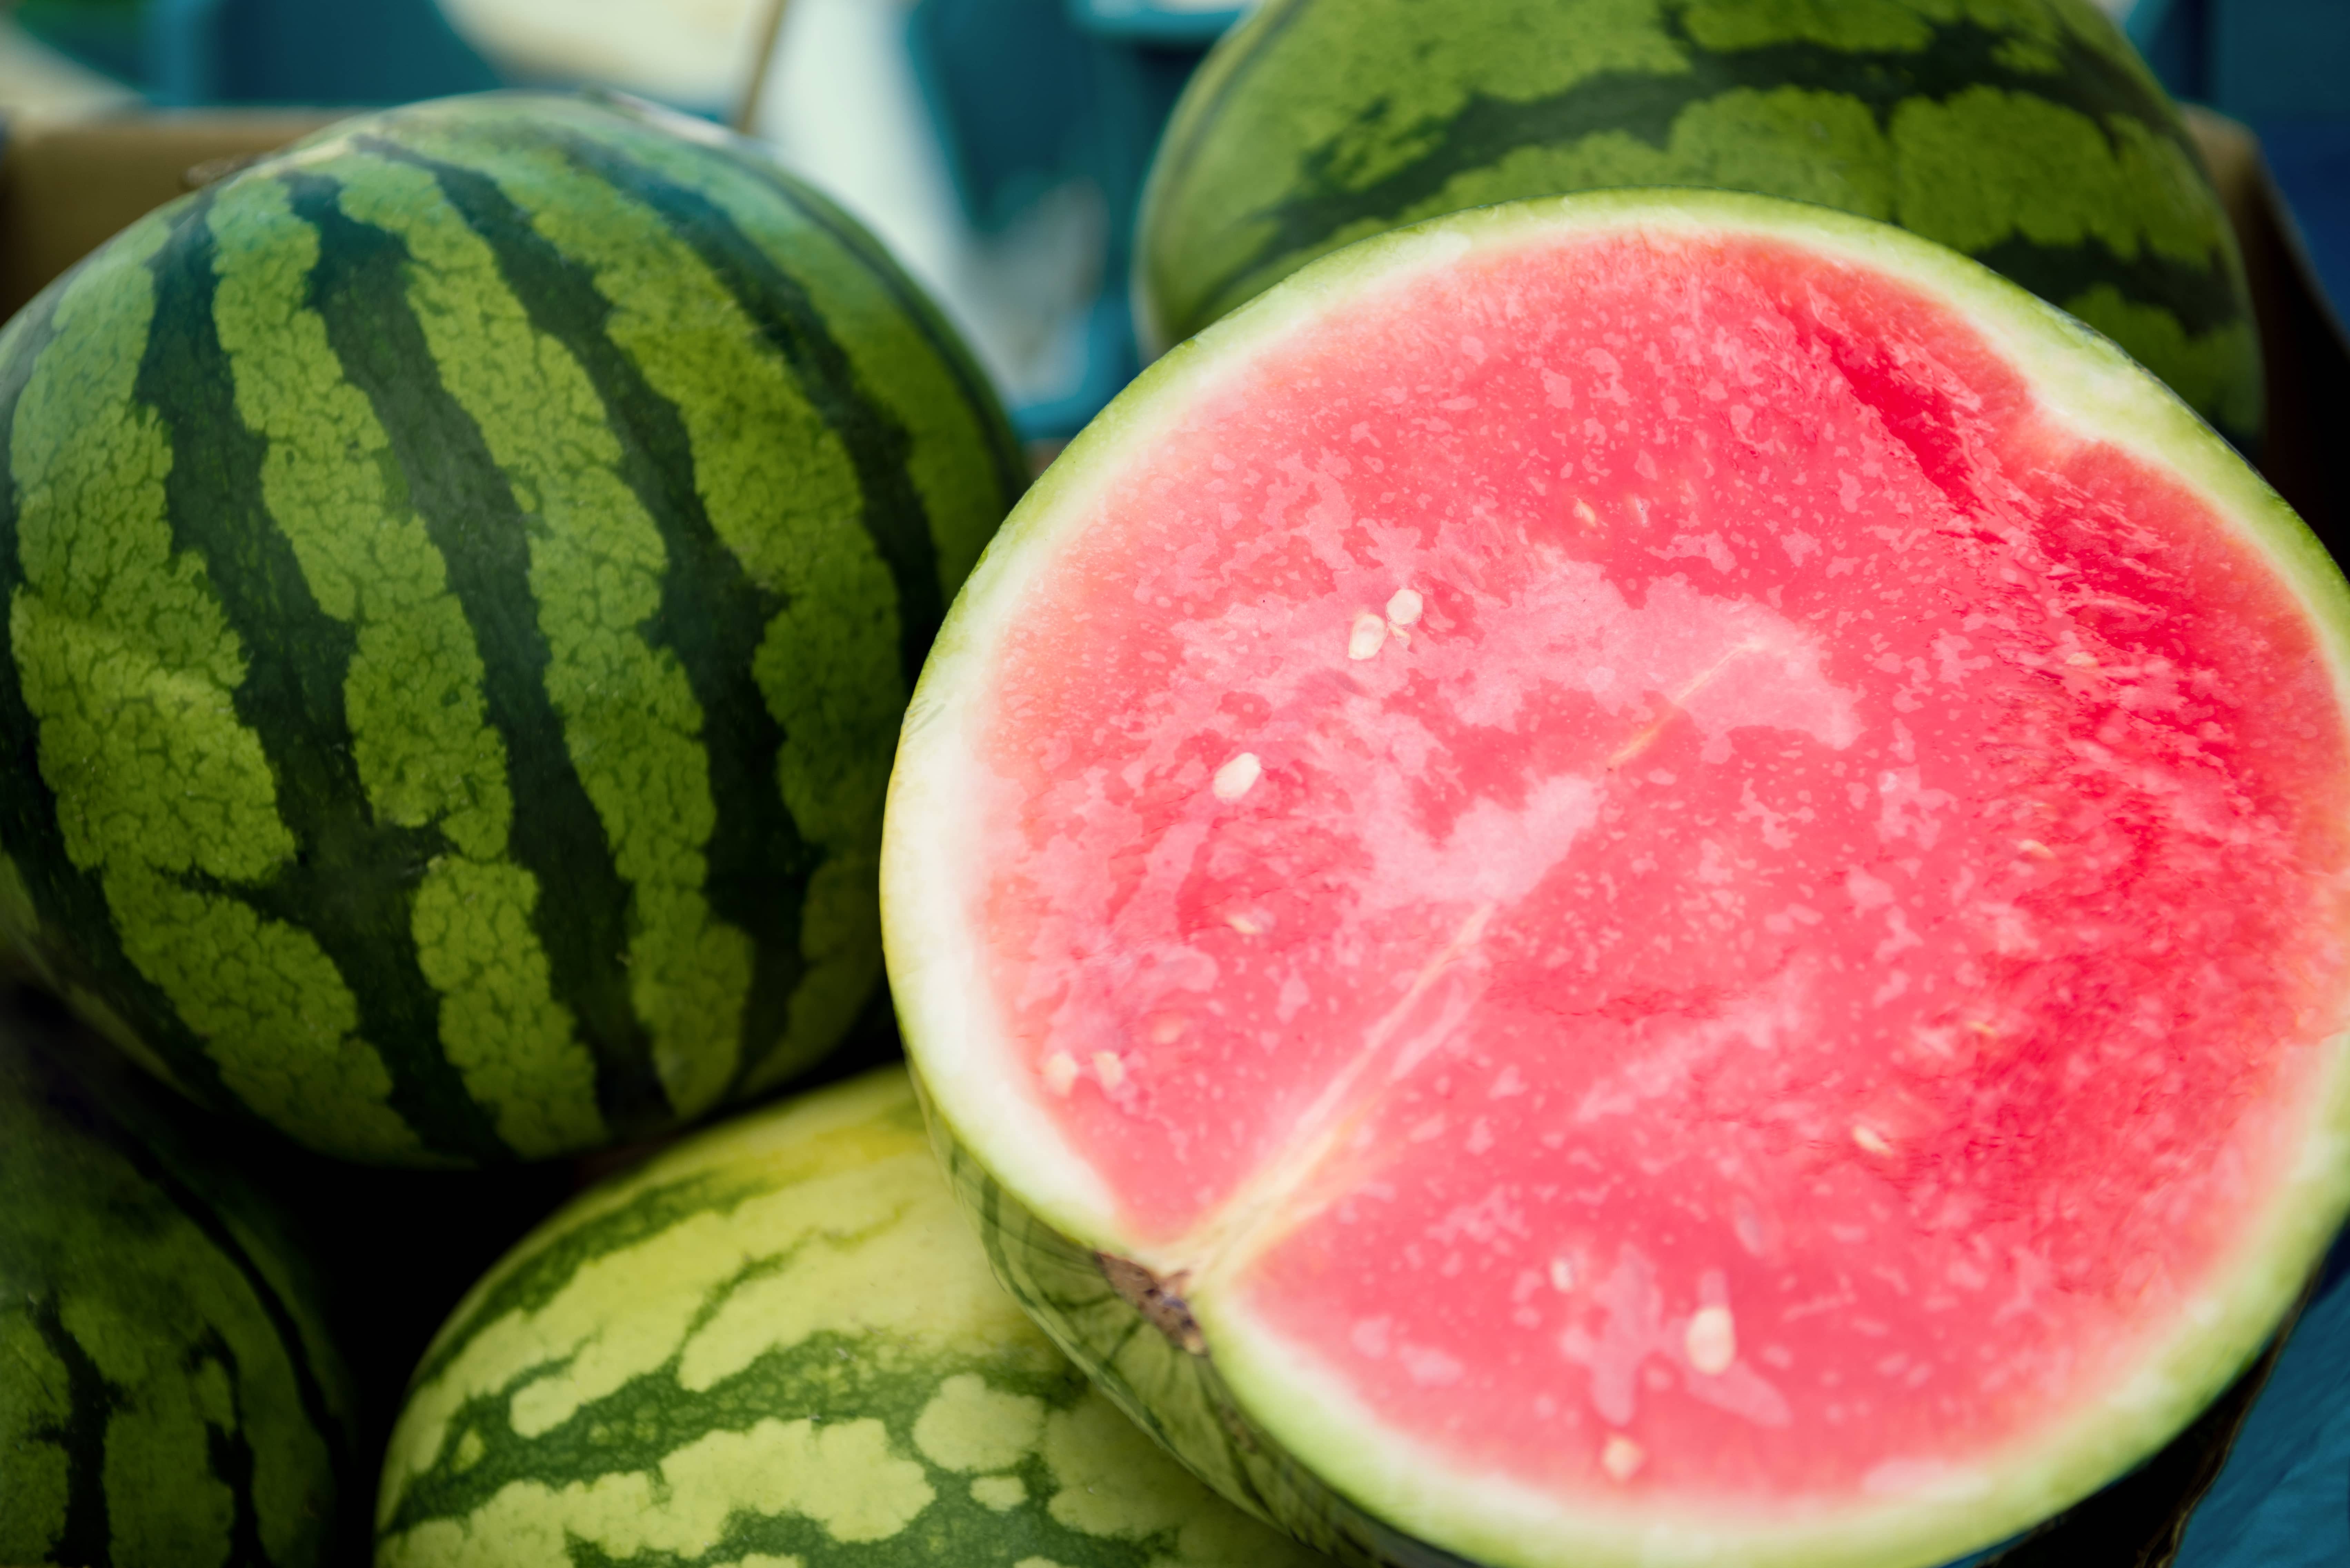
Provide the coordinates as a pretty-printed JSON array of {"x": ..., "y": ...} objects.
[{"x": 1683, "y": 861}]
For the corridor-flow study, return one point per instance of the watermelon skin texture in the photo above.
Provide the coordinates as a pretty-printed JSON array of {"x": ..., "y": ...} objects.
[
  {"x": 777, "y": 1343},
  {"x": 464, "y": 573},
  {"x": 1135, "y": 1347},
  {"x": 2026, "y": 133},
  {"x": 168, "y": 1394}
]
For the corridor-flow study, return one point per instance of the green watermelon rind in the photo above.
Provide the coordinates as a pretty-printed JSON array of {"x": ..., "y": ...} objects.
[
  {"x": 1310, "y": 1457},
  {"x": 1604, "y": 99},
  {"x": 1181, "y": 1400},
  {"x": 517, "y": 448},
  {"x": 168, "y": 1390},
  {"x": 780, "y": 1345}
]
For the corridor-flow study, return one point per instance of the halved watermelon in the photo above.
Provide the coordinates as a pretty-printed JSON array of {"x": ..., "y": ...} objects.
[{"x": 1654, "y": 877}]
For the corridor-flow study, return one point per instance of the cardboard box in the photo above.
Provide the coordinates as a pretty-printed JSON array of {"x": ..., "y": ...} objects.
[{"x": 67, "y": 186}]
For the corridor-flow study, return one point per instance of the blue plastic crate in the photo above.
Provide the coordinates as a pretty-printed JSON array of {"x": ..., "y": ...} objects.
[
  {"x": 187, "y": 52},
  {"x": 1028, "y": 95},
  {"x": 2282, "y": 67}
]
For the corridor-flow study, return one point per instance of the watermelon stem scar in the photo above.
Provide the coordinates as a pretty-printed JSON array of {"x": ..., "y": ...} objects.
[
  {"x": 1160, "y": 1301},
  {"x": 1647, "y": 877}
]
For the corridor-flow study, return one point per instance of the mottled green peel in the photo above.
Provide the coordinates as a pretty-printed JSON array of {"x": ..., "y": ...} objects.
[
  {"x": 463, "y": 579},
  {"x": 761, "y": 534},
  {"x": 61, "y": 928},
  {"x": 165, "y": 1398},
  {"x": 424, "y": 745},
  {"x": 595, "y": 566},
  {"x": 336, "y": 904},
  {"x": 127, "y": 655},
  {"x": 899, "y": 352},
  {"x": 34, "y": 1427},
  {"x": 2025, "y": 132},
  {"x": 839, "y": 927},
  {"x": 124, "y": 650},
  {"x": 777, "y": 1343}
]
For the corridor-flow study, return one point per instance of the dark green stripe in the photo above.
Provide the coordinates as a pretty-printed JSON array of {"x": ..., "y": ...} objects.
[
  {"x": 877, "y": 444},
  {"x": 230, "y": 1454},
  {"x": 829, "y": 1375},
  {"x": 531, "y": 1284},
  {"x": 711, "y": 615},
  {"x": 1253, "y": 42},
  {"x": 90, "y": 1402},
  {"x": 360, "y": 288},
  {"x": 207, "y": 1220},
  {"x": 1644, "y": 105},
  {"x": 2203, "y": 298},
  {"x": 78, "y": 935},
  {"x": 352, "y": 883},
  {"x": 971, "y": 381}
]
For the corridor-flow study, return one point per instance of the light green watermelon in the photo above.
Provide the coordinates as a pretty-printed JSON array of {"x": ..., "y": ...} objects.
[
  {"x": 2026, "y": 133},
  {"x": 464, "y": 574},
  {"x": 777, "y": 1343},
  {"x": 169, "y": 1397}
]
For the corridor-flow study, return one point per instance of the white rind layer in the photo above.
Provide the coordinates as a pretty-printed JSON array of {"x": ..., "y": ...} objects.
[{"x": 985, "y": 1099}]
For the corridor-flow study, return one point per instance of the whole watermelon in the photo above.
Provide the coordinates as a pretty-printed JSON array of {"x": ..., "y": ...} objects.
[
  {"x": 463, "y": 577},
  {"x": 777, "y": 1343},
  {"x": 167, "y": 1393},
  {"x": 2026, "y": 133}
]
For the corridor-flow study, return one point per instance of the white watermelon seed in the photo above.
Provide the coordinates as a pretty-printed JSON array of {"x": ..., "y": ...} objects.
[
  {"x": 1364, "y": 639},
  {"x": 1711, "y": 1340},
  {"x": 1622, "y": 1457},
  {"x": 1562, "y": 1274},
  {"x": 1871, "y": 1141},
  {"x": 1404, "y": 608},
  {"x": 1060, "y": 1071},
  {"x": 1237, "y": 777},
  {"x": 2034, "y": 848},
  {"x": 1110, "y": 1069}
]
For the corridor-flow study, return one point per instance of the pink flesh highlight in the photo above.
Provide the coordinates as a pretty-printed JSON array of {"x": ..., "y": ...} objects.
[{"x": 1832, "y": 847}]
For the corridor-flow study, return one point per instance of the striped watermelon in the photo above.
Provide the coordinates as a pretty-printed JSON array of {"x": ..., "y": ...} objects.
[
  {"x": 167, "y": 1396},
  {"x": 777, "y": 1343},
  {"x": 2026, "y": 133},
  {"x": 464, "y": 573}
]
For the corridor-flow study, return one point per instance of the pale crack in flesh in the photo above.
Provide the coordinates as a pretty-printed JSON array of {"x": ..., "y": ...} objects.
[{"x": 1279, "y": 1197}]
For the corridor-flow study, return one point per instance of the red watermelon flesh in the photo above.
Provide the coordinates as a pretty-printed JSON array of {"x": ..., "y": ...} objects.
[{"x": 1649, "y": 866}]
